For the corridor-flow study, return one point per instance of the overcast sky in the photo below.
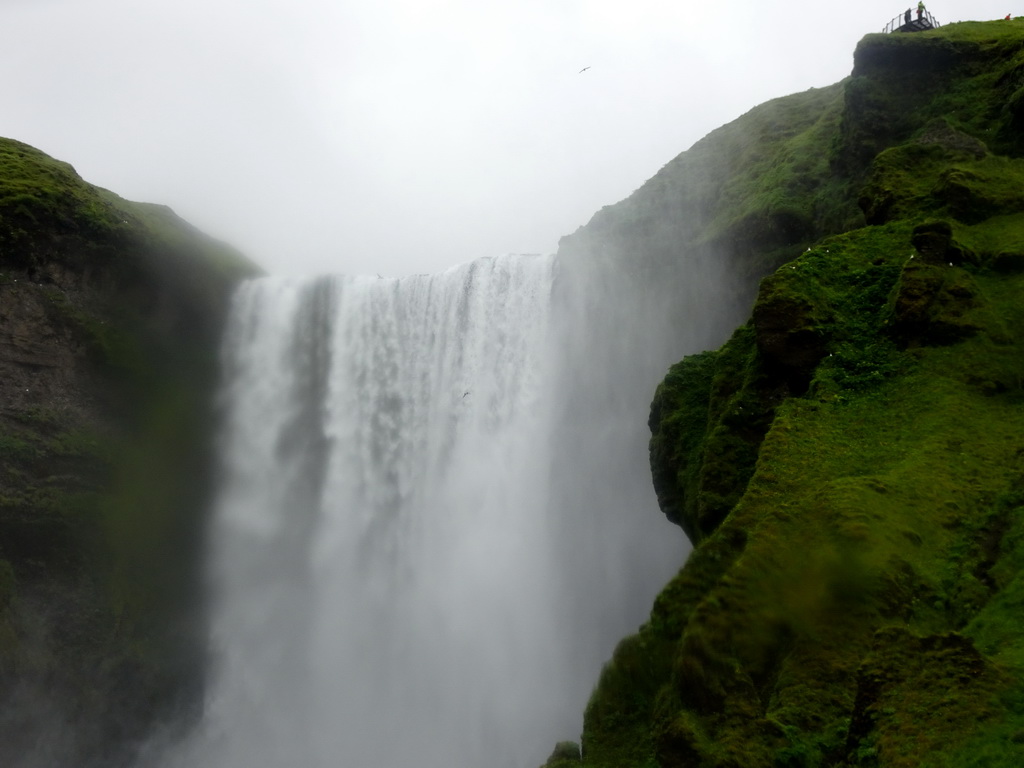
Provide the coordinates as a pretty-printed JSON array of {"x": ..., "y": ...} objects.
[{"x": 401, "y": 136}]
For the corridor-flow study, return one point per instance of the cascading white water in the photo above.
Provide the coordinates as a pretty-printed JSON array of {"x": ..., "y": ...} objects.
[{"x": 435, "y": 518}]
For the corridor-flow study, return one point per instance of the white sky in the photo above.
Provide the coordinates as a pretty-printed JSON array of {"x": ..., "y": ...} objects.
[{"x": 400, "y": 136}]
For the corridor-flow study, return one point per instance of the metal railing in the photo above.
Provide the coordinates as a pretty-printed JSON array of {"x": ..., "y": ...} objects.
[{"x": 900, "y": 23}]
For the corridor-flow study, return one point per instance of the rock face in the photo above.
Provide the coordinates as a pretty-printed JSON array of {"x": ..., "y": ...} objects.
[
  {"x": 109, "y": 323},
  {"x": 849, "y": 465}
]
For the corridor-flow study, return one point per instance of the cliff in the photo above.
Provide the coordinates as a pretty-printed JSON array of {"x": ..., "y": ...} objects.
[
  {"x": 110, "y": 316},
  {"x": 849, "y": 465}
]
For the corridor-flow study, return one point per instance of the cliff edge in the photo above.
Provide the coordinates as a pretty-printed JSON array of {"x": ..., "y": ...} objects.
[
  {"x": 850, "y": 465},
  {"x": 110, "y": 316}
]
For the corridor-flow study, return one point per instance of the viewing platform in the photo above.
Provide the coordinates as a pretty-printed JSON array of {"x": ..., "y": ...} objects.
[{"x": 909, "y": 22}]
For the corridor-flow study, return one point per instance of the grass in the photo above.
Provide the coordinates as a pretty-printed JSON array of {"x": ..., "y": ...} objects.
[
  {"x": 40, "y": 195},
  {"x": 855, "y": 600},
  {"x": 871, "y": 506},
  {"x": 102, "y": 496}
]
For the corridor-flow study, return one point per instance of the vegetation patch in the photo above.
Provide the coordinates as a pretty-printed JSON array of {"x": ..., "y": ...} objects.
[
  {"x": 850, "y": 465},
  {"x": 110, "y": 315}
]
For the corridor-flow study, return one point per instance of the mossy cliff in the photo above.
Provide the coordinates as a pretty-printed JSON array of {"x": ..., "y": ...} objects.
[
  {"x": 850, "y": 465},
  {"x": 745, "y": 196},
  {"x": 110, "y": 316}
]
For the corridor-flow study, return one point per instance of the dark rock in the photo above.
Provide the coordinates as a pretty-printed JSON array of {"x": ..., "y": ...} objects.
[
  {"x": 943, "y": 134},
  {"x": 679, "y": 423},
  {"x": 876, "y": 204},
  {"x": 110, "y": 316},
  {"x": 791, "y": 333},
  {"x": 1008, "y": 262},
  {"x": 678, "y": 744},
  {"x": 963, "y": 192},
  {"x": 934, "y": 305},
  {"x": 1014, "y": 105},
  {"x": 935, "y": 245}
]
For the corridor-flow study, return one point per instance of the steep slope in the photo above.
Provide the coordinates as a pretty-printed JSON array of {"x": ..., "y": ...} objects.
[
  {"x": 747, "y": 194},
  {"x": 109, "y": 323},
  {"x": 849, "y": 465}
]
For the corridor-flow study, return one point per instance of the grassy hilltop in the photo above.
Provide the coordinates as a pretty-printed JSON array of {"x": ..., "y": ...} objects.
[{"x": 850, "y": 465}]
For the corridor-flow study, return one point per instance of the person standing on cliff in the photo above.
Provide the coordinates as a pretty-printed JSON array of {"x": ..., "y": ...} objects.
[
  {"x": 906, "y": 17},
  {"x": 920, "y": 9}
]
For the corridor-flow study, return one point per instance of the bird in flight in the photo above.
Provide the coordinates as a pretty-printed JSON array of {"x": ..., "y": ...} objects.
[{"x": 583, "y": 70}]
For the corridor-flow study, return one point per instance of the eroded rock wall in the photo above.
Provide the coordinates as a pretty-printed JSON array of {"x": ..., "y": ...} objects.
[
  {"x": 109, "y": 322},
  {"x": 849, "y": 465}
]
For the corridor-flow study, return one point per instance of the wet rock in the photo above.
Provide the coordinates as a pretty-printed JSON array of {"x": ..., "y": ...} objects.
[
  {"x": 791, "y": 333},
  {"x": 678, "y": 423},
  {"x": 876, "y": 204},
  {"x": 959, "y": 190},
  {"x": 935, "y": 306},
  {"x": 1008, "y": 262},
  {"x": 679, "y": 744},
  {"x": 935, "y": 245},
  {"x": 943, "y": 134}
]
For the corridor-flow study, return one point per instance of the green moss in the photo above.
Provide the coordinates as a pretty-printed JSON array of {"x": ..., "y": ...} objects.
[
  {"x": 679, "y": 423},
  {"x": 43, "y": 196},
  {"x": 565, "y": 755},
  {"x": 965, "y": 74},
  {"x": 40, "y": 193},
  {"x": 103, "y": 480},
  {"x": 192, "y": 250},
  {"x": 617, "y": 730},
  {"x": 855, "y": 491},
  {"x": 786, "y": 193},
  {"x": 856, "y": 599},
  {"x": 747, "y": 195}
]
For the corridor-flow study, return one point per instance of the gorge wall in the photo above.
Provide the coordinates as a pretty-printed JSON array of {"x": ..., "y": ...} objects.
[
  {"x": 849, "y": 464},
  {"x": 110, "y": 316}
]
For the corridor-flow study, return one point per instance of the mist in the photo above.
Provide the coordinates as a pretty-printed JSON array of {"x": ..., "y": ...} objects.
[
  {"x": 436, "y": 519},
  {"x": 402, "y": 137}
]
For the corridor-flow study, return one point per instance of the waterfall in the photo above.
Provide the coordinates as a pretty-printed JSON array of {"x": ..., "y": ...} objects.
[{"x": 435, "y": 517}]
